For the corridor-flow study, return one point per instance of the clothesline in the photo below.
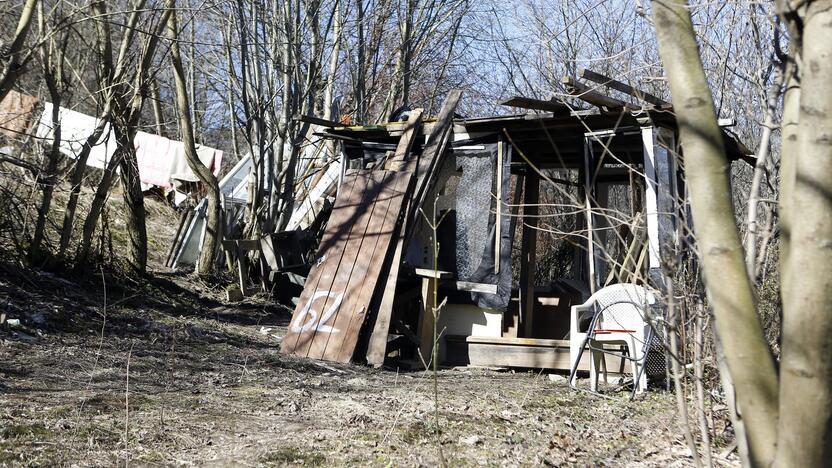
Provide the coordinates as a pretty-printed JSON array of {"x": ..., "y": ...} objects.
[{"x": 161, "y": 160}]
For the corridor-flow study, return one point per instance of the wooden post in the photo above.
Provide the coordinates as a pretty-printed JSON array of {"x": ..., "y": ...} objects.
[
  {"x": 430, "y": 281},
  {"x": 659, "y": 198},
  {"x": 602, "y": 233},
  {"x": 528, "y": 258},
  {"x": 589, "y": 193},
  {"x": 511, "y": 319},
  {"x": 428, "y": 319},
  {"x": 498, "y": 222}
]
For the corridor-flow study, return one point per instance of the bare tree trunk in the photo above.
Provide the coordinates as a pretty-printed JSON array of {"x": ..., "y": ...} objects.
[
  {"x": 329, "y": 91},
  {"x": 232, "y": 113},
  {"x": 52, "y": 64},
  {"x": 284, "y": 126},
  {"x": 407, "y": 51},
  {"x": 740, "y": 434},
  {"x": 156, "y": 104},
  {"x": 127, "y": 102},
  {"x": 212, "y": 234},
  {"x": 747, "y": 353},
  {"x": 132, "y": 196},
  {"x": 125, "y": 126},
  {"x": 698, "y": 374},
  {"x": 789, "y": 148},
  {"x": 805, "y": 425},
  {"x": 361, "y": 70},
  {"x": 673, "y": 330},
  {"x": 98, "y": 10},
  {"x": 96, "y": 206},
  {"x": 13, "y": 69},
  {"x": 77, "y": 177},
  {"x": 49, "y": 176},
  {"x": 759, "y": 173}
]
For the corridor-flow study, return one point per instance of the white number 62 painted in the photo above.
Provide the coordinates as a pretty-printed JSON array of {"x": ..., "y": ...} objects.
[{"x": 313, "y": 322}]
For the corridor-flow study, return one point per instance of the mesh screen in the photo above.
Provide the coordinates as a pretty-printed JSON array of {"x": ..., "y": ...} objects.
[
  {"x": 473, "y": 205},
  {"x": 464, "y": 191}
]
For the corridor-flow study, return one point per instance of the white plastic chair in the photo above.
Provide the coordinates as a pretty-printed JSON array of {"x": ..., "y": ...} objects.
[{"x": 618, "y": 317}]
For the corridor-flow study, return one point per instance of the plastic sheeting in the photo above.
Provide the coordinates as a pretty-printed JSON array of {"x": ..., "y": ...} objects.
[{"x": 160, "y": 160}]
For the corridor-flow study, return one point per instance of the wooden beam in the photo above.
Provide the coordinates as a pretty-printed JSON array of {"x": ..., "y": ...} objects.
[
  {"x": 474, "y": 287},
  {"x": 430, "y": 273},
  {"x": 240, "y": 247},
  {"x": 427, "y": 319},
  {"x": 624, "y": 88},
  {"x": 660, "y": 197},
  {"x": 402, "y": 154},
  {"x": 498, "y": 224},
  {"x": 551, "y": 105},
  {"x": 433, "y": 151},
  {"x": 377, "y": 347},
  {"x": 511, "y": 320},
  {"x": 517, "y": 352},
  {"x": 587, "y": 94},
  {"x": 589, "y": 194}
]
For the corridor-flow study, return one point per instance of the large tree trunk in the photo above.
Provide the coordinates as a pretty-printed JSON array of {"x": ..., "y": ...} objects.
[
  {"x": 729, "y": 290},
  {"x": 788, "y": 166},
  {"x": 213, "y": 228},
  {"x": 805, "y": 426}
]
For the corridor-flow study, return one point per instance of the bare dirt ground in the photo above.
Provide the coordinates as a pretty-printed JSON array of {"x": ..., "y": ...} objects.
[
  {"x": 105, "y": 370},
  {"x": 166, "y": 374}
]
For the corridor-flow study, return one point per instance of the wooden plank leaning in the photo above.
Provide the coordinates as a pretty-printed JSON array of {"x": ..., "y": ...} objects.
[
  {"x": 336, "y": 298},
  {"x": 425, "y": 166},
  {"x": 378, "y": 339}
]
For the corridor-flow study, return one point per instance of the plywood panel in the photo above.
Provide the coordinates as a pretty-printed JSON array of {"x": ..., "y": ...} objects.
[
  {"x": 327, "y": 322},
  {"x": 306, "y": 318},
  {"x": 380, "y": 237}
]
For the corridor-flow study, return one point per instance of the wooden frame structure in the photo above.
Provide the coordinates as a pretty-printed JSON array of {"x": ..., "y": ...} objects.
[{"x": 625, "y": 153}]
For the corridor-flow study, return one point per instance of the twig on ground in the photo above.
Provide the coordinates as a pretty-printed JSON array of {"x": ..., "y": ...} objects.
[
  {"x": 127, "y": 402},
  {"x": 677, "y": 372}
]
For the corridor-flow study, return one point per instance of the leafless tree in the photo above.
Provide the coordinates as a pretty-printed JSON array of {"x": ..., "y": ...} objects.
[
  {"x": 127, "y": 100},
  {"x": 184, "y": 107},
  {"x": 788, "y": 413}
]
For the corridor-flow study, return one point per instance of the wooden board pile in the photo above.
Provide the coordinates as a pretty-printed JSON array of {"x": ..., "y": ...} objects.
[{"x": 364, "y": 238}]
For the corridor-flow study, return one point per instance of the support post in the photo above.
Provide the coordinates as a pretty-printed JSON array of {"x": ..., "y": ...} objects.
[
  {"x": 528, "y": 259},
  {"x": 427, "y": 320},
  {"x": 660, "y": 198},
  {"x": 498, "y": 223},
  {"x": 592, "y": 239}
]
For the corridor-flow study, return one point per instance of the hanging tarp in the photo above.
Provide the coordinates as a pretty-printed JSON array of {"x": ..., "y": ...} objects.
[
  {"x": 16, "y": 112},
  {"x": 161, "y": 160},
  {"x": 466, "y": 204}
]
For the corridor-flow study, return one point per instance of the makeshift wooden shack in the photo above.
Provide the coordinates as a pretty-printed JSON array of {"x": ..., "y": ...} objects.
[{"x": 503, "y": 223}]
